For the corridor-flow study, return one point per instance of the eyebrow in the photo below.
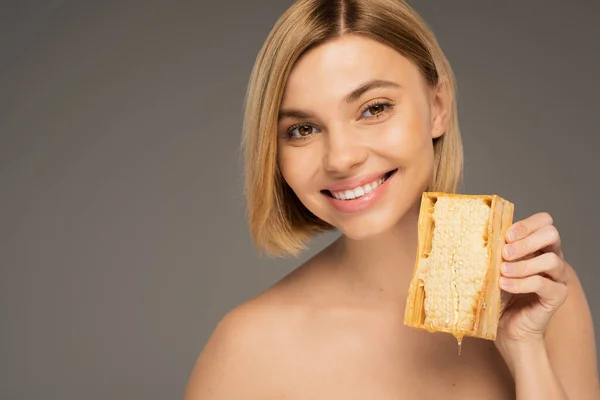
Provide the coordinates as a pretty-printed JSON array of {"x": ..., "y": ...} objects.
[
  {"x": 351, "y": 97},
  {"x": 370, "y": 85}
]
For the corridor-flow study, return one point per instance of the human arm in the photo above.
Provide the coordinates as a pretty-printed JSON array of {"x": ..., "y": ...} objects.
[
  {"x": 570, "y": 343},
  {"x": 533, "y": 372},
  {"x": 546, "y": 332}
]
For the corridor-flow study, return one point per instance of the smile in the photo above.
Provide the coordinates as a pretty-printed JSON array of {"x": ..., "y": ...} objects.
[{"x": 360, "y": 191}]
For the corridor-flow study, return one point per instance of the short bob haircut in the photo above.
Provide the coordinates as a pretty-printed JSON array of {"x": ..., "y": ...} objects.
[{"x": 279, "y": 223}]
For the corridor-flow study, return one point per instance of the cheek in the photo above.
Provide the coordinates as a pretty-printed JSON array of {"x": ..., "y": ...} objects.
[
  {"x": 297, "y": 167},
  {"x": 408, "y": 139}
]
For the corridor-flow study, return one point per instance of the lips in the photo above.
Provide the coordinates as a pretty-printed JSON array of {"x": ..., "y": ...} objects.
[
  {"x": 356, "y": 199},
  {"x": 357, "y": 188}
]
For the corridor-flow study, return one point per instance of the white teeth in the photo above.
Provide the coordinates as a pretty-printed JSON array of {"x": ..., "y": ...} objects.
[{"x": 359, "y": 191}]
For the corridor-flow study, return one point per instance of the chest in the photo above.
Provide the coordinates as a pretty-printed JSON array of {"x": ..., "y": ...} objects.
[{"x": 384, "y": 365}]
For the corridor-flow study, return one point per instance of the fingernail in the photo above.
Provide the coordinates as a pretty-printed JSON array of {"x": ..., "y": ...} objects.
[
  {"x": 515, "y": 232},
  {"x": 507, "y": 268},
  {"x": 505, "y": 283},
  {"x": 509, "y": 251}
]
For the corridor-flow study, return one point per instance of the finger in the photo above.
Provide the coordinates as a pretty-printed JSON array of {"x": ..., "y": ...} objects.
[
  {"x": 527, "y": 226},
  {"x": 551, "y": 294},
  {"x": 549, "y": 264},
  {"x": 546, "y": 238}
]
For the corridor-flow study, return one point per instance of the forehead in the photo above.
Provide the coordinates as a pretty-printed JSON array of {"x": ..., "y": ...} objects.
[{"x": 336, "y": 67}]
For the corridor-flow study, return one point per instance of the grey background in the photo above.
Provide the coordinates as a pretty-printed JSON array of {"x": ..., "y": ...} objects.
[{"x": 123, "y": 237}]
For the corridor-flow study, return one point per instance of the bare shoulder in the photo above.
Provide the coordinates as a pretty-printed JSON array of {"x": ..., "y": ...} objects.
[
  {"x": 232, "y": 362},
  {"x": 571, "y": 344},
  {"x": 247, "y": 351}
]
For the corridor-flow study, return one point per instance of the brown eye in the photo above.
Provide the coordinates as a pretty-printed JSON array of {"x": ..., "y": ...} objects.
[
  {"x": 305, "y": 130},
  {"x": 301, "y": 131},
  {"x": 375, "y": 110}
]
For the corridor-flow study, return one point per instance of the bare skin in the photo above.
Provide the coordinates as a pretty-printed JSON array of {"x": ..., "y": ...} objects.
[
  {"x": 310, "y": 337},
  {"x": 321, "y": 334},
  {"x": 334, "y": 328}
]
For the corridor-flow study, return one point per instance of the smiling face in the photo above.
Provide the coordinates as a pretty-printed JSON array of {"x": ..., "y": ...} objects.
[{"x": 357, "y": 121}]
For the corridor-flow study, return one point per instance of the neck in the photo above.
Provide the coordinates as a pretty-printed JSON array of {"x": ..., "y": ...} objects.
[{"x": 384, "y": 263}]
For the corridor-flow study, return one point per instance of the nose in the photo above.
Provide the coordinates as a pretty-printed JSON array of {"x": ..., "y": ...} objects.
[{"x": 343, "y": 152}]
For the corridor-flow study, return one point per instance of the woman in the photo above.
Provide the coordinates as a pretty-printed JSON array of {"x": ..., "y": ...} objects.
[{"x": 351, "y": 115}]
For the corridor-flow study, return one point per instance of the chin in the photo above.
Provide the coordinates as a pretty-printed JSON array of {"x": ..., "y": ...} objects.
[{"x": 370, "y": 226}]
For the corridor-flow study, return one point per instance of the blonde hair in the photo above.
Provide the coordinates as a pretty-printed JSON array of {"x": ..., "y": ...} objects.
[{"x": 279, "y": 222}]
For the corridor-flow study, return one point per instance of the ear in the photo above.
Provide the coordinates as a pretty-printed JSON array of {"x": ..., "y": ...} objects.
[{"x": 441, "y": 103}]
